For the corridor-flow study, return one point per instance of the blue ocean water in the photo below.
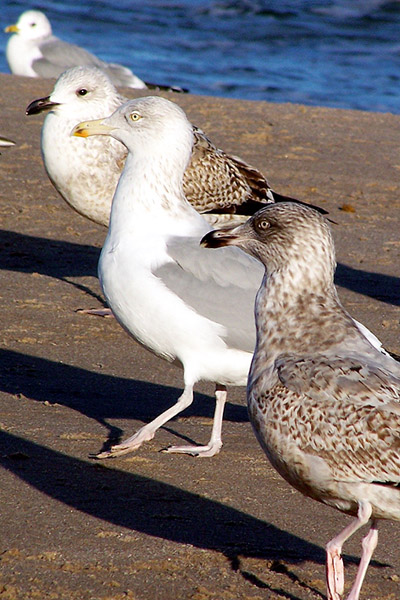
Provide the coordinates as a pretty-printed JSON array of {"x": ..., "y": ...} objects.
[{"x": 337, "y": 53}]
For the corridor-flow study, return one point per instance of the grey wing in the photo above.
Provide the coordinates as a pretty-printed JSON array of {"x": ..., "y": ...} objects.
[
  {"x": 57, "y": 56},
  {"x": 349, "y": 415},
  {"x": 219, "y": 284}
]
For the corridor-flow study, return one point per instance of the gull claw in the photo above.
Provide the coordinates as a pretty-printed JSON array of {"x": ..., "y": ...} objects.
[{"x": 201, "y": 451}]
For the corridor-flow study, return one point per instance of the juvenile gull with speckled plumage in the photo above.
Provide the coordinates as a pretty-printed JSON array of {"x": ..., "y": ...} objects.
[
  {"x": 324, "y": 403},
  {"x": 86, "y": 173}
]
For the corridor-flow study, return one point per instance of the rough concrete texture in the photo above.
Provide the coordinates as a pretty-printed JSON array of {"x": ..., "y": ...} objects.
[{"x": 149, "y": 525}]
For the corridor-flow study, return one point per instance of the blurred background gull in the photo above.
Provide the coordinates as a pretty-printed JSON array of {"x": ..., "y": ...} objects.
[{"x": 337, "y": 53}]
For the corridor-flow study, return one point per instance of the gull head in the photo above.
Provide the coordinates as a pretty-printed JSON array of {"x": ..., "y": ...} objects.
[
  {"x": 284, "y": 236},
  {"x": 150, "y": 127},
  {"x": 80, "y": 92},
  {"x": 31, "y": 25}
]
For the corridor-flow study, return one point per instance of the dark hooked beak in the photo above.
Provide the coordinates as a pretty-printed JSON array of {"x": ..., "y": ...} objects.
[
  {"x": 220, "y": 238},
  {"x": 39, "y": 105}
]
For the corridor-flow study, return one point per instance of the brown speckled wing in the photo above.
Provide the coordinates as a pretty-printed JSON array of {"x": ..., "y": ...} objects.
[
  {"x": 325, "y": 377},
  {"x": 260, "y": 188},
  {"x": 344, "y": 412},
  {"x": 215, "y": 181}
]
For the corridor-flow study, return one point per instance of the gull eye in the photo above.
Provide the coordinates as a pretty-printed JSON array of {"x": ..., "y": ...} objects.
[
  {"x": 262, "y": 225},
  {"x": 134, "y": 116},
  {"x": 32, "y": 25},
  {"x": 82, "y": 92}
]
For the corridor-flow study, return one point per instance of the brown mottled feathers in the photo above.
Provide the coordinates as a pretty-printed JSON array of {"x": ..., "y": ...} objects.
[
  {"x": 355, "y": 408},
  {"x": 223, "y": 187},
  {"x": 358, "y": 440},
  {"x": 214, "y": 181},
  {"x": 322, "y": 377},
  {"x": 220, "y": 183}
]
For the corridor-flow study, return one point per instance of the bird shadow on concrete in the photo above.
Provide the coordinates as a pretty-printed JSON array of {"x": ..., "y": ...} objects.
[
  {"x": 54, "y": 258},
  {"x": 101, "y": 396},
  {"x": 385, "y": 288},
  {"x": 134, "y": 501},
  {"x": 159, "y": 509},
  {"x": 60, "y": 260}
]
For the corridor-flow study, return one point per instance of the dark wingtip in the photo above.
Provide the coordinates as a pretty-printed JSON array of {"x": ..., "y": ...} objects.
[
  {"x": 394, "y": 355},
  {"x": 166, "y": 88},
  {"x": 281, "y": 198}
]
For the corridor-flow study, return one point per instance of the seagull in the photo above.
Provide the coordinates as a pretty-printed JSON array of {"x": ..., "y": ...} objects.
[
  {"x": 223, "y": 187},
  {"x": 324, "y": 403},
  {"x": 166, "y": 291},
  {"x": 33, "y": 51}
]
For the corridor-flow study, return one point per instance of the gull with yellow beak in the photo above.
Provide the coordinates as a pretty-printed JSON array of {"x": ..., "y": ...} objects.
[
  {"x": 223, "y": 187},
  {"x": 34, "y": 51},
  {"x": 166, "y": 291}
]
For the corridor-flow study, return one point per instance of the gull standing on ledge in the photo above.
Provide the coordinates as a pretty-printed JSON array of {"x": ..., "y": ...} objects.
[
  {"x": 33, "y": 51},
  {"x": 86, "y": 173},
  {"x": 166, "y": 291},
  {"x": 323, "y": 402}
]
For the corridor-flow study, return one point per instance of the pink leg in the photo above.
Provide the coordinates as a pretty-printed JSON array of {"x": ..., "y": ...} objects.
[
  {"x": 215, "y": 443},
  {"x": 334, "y": 562},
  {"x": 146, "y": 433},
  {"x": 334, "y": 573},
  {"x": 368, "y": 546}
]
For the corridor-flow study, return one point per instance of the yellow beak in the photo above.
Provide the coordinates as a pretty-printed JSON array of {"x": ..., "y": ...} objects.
[
  {"x": 88, "y": 128},
  {"x": 11, "y": 29}
]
